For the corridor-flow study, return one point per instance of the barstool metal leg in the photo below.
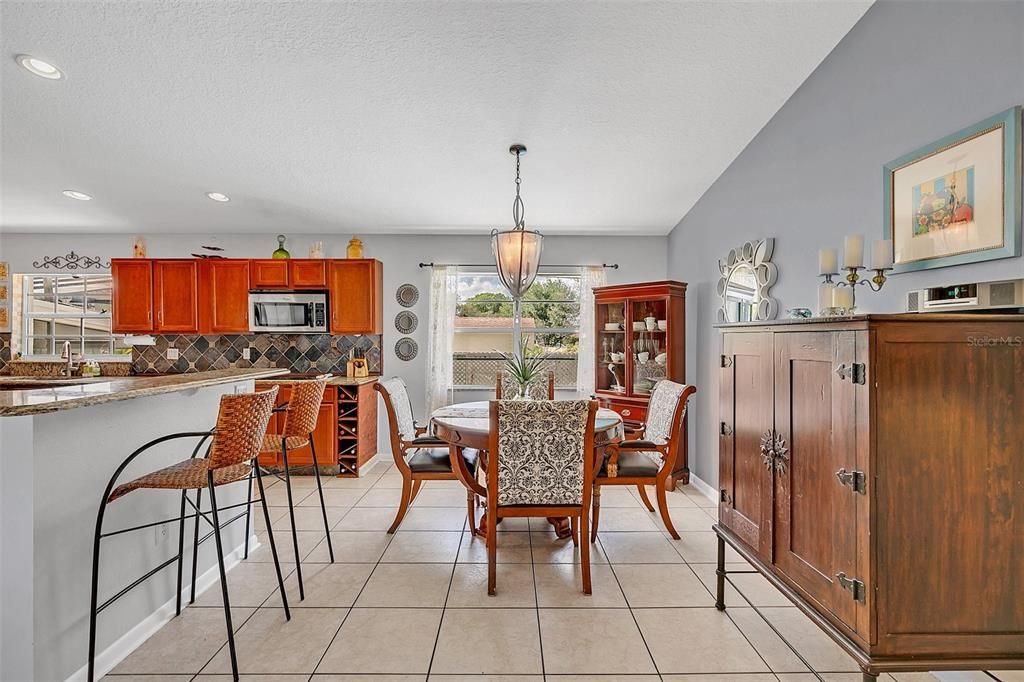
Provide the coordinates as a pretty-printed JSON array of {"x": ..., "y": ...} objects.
[
  {"x": 181, "y": 554},
  {"x": 195, "y": 547},
  {"x": 291, "y": 514},
  {"x": 270, "y": 537},
  {"x": 95, "y": 589},
  {"x": 223, "y": 576},
  {"x": 323, "y": 506},
  {"x": 248, "y": 512}
]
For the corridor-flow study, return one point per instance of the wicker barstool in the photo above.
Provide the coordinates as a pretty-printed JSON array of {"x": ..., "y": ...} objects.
[
  {"x": 300, "y": 415},
  {"x": 231, "y": 456}
]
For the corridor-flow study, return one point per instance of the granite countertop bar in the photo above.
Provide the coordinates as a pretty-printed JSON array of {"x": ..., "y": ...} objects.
[{"x": 96, "y": 391}]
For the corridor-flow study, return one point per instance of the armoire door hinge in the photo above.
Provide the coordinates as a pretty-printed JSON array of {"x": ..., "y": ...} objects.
[
  {"x": 855, "y": 479},
  {"x": 856, "y": 372},
  {"x": 726, "y": 361},
  {"x": 853, "y": 586},
  {"x": 724, "y": 429},
  {"x": 724, "y": 496}
]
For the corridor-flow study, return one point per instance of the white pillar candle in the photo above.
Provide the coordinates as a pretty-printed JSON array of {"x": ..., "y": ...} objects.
[
  {"x": 842, "y": 297},
  {"x": 881, "y": 254},
  {"x": 828, "y": 262},
  {"x": 825, "y": 296},
  {"x": 853, "y": 251}
]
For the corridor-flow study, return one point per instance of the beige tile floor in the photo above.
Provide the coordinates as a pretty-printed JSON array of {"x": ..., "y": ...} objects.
[{"x": 414, "y": 606}]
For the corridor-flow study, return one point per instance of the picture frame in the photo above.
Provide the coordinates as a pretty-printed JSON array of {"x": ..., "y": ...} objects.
[{"x": 956, "y": 200}]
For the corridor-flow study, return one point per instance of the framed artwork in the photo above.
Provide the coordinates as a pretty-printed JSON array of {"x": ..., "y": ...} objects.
[{"x": 957, "y": 200}]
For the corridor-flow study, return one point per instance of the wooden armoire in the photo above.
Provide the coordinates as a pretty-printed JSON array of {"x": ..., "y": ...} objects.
[{"x": 872, "y": 469}]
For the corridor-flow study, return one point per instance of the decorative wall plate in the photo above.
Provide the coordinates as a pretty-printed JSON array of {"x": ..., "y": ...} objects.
[
  {"x": 406, "y": 322},
  {"x": 407, "y": 295},
  {"x": 406, "y": 349}
]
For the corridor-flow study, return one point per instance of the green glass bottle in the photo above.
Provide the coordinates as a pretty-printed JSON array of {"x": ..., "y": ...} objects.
[{"x": 281, "y": 252}]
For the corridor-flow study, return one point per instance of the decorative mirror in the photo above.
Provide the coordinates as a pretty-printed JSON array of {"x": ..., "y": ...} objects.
[{"x": 747, "y": 276}]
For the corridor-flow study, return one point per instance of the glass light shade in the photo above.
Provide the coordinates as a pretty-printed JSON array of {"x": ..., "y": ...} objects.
[{"x": 517, "y": 255}]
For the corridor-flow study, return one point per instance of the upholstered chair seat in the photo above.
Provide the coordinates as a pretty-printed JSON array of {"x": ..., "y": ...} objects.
[
  {"x": 437, "y": 460},
  {"x": 633, "y": 464}
]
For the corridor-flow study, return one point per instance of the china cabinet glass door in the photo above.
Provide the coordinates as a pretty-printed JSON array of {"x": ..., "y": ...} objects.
[
  {"x": 647, "y": 359},
  {"x": 610, "y": 354}
]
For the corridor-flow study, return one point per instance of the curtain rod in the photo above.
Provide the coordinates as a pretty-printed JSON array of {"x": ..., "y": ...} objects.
[{"x": 610, "y": 266}]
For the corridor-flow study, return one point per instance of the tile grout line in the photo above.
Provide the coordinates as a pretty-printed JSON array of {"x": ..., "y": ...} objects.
[
  {"x": 732, "y": 620},
  {"x": 444, "y": 607},
  {"x": 359, "y": 594},
  {"x": 536, "y": 602},
  {"x": 629, "y": 606}
]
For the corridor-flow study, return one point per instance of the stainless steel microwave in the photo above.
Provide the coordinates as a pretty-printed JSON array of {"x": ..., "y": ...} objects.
[{"x": 286, "y": 312}]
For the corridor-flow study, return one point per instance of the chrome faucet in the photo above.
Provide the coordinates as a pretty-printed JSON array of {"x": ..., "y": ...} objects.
[{"x": 65, "y": 354}]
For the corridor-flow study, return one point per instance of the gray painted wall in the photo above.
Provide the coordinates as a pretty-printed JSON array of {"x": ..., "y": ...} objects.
[
  {"x": 639, "y": 259},
  {"x": 907, "y": 74}
]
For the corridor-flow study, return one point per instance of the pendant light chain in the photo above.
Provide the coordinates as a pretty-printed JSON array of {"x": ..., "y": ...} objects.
[{"x": 518, "y": 208}]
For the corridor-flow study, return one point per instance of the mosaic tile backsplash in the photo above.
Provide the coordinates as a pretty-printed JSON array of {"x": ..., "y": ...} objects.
[
  {"x": 5, "y": 352},
  {"x": 295, "y": 352}
]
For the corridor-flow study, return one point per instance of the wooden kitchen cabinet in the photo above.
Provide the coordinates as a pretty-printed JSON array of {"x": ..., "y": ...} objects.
[
  {"x": 224, "y": 296},
  {"x": 175, "y": 296},
  {"x": 269, "y": 273},
  {"x": 355, "y": 287},
  {"x": 132, "y": 291},
  {"x": 871, "y": 469},
  {"x": 325, "y": 435},
  {"x": 308, "y": 273}
]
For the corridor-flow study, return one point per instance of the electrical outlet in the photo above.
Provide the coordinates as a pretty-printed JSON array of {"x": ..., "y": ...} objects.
[
  {"x": 246, "y": 353},
  {"x": 173, "y": 353}
]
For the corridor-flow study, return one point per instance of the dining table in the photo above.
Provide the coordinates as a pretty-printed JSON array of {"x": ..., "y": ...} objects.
[{"x": 468, "y": 425}]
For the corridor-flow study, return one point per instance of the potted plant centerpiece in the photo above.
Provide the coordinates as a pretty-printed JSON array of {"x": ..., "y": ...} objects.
[{"x": 523, "y": 370}]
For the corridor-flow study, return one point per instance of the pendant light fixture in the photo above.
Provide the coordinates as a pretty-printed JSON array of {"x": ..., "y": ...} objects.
[
  {"x": 517, "y": 251},
  {"x": 517, "y": 254}
]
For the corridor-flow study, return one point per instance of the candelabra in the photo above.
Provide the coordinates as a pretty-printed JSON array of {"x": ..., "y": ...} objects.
[
  {"x": 852, "y": 280},
  {"x": 840, "y": 297}
]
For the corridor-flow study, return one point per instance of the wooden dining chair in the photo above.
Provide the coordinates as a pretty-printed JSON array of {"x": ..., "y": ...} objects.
[
  {"x": 418, "y": 455},
  {"x": 649, "y": 457},
  {"x": 540, "y": 463},
  {"x": 504, "y": 384}
]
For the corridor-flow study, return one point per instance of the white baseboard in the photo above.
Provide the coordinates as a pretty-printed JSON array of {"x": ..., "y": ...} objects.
[
  {"x": 107, "y": 659},
  {"x": 703, "y": 488}
]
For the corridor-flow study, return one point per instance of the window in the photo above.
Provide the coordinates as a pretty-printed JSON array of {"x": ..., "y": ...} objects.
[
  {"x": 72, "y": 308},
  {"x": 484, "y": 325}
]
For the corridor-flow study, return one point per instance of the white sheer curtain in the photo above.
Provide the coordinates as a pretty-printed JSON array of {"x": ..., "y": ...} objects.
[
  {"x": 591, "y": 276},
  {"x": 443, "y": 292}
]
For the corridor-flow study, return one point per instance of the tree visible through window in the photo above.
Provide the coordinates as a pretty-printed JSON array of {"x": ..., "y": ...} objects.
[{"x": 484, "y": 325}]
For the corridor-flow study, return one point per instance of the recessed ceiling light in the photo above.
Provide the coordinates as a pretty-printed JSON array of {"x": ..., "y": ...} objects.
[
  {"x": 39, "y": 67},
  {"x": 74, "y": 194},
  {"x": 217, "y": 196}
]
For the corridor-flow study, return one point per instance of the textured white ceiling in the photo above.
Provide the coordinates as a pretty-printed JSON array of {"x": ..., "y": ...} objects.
[{"x": 390, "y": 116}]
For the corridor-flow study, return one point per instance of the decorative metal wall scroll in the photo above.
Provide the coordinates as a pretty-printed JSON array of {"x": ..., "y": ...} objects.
[{"x": 72, "y": 261}]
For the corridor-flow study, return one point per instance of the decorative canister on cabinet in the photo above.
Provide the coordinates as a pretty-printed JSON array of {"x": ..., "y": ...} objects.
[{"x": 355, "y": 248}]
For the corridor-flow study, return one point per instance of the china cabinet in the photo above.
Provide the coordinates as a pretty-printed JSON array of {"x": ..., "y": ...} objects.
[
  {"x": 641, "y": 337},
  {"x": 871, "y": 469}
]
